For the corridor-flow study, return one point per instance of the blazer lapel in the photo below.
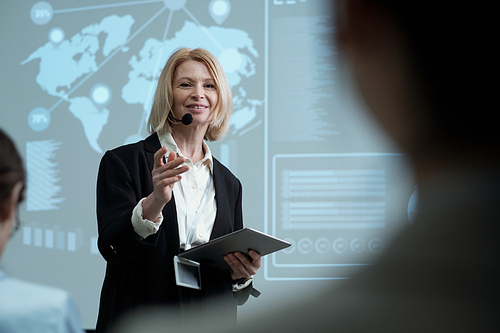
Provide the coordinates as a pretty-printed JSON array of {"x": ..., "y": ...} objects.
[
  {"x": 222, "y": 224},
  {"x": 169, "y": 226}
]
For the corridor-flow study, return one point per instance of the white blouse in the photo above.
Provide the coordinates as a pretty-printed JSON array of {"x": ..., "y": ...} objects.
[{"x": 189, "y": 193}]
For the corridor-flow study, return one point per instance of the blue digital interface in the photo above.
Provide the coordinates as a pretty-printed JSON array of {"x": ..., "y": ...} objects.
[{"x": 78, "y": 79}]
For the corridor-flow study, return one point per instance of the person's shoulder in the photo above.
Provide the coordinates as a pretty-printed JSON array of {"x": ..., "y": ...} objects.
[
  {"x": 28, "y": 291},
  {"x": 134, "y": 152},
  {"x": 38, "y": 307},
  {"x": 149, "y": 144}
]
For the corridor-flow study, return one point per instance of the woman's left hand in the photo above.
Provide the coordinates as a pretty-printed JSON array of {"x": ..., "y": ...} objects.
[{"x": 241, "y": 266}]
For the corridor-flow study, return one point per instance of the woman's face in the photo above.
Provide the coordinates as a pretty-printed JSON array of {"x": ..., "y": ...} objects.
[{"x": 194, "y": 92}]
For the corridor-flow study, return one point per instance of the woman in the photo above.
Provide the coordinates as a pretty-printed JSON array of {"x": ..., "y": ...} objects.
[
  {"x": 26, "y": 307},
  {"x": 166, "y": 194}
]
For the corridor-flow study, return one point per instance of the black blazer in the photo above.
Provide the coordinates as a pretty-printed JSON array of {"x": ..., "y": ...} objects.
[{"x": 140, "y": 273}]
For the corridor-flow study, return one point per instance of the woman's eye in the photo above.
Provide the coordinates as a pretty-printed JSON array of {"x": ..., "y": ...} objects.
[
  {"x": 210, "y": 86},
  {"x": 184, "y": 85}
]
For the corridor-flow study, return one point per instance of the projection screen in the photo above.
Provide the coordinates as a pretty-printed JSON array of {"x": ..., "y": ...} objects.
[{"x": 78, "y": 79}]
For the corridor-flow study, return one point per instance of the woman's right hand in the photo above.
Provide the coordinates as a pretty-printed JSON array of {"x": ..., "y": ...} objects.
[{"x": 164, "y": 176}]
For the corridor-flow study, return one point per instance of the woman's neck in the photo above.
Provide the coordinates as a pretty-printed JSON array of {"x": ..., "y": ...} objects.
[{"x": 191, "y": 145}]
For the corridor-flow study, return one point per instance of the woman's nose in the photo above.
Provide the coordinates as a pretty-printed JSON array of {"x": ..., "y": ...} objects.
[{"x": 198, "y": 93}]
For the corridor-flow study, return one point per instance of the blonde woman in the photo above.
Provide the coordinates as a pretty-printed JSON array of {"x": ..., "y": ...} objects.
[{"x": 167, "y": 193}]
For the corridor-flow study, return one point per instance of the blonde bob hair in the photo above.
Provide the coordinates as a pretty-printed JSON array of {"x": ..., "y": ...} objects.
[{"x": 159, "y": 120}]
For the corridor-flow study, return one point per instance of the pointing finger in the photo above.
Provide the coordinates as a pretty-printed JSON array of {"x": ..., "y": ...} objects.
[{"x": 158, "y": 156}]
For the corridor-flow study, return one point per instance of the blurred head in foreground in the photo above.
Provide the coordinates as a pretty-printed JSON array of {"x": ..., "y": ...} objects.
[
  {"x": 12, "y": 179},
  {"x": 423, "y": 70}
]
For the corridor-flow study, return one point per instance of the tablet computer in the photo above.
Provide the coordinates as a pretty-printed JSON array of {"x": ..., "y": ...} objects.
[{"x": 243, "y": 240}]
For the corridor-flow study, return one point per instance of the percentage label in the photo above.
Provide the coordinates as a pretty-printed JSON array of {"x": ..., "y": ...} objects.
[
  {"x": 287, "y": 2},
  {"x": 39, "y": 119},
  {"x": 41, "y": 13}
]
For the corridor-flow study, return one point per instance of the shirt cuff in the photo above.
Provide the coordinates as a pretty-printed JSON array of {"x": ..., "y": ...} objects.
[
  {"x": 144, "y": 227},
  {"x": 242, "y": 284}
]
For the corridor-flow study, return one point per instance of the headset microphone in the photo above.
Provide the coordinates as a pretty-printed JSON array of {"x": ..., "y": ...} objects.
[{"x": 186, "y": 118}]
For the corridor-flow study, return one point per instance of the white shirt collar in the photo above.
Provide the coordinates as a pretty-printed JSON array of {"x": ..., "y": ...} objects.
[{"x": 167, "y": 140}]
